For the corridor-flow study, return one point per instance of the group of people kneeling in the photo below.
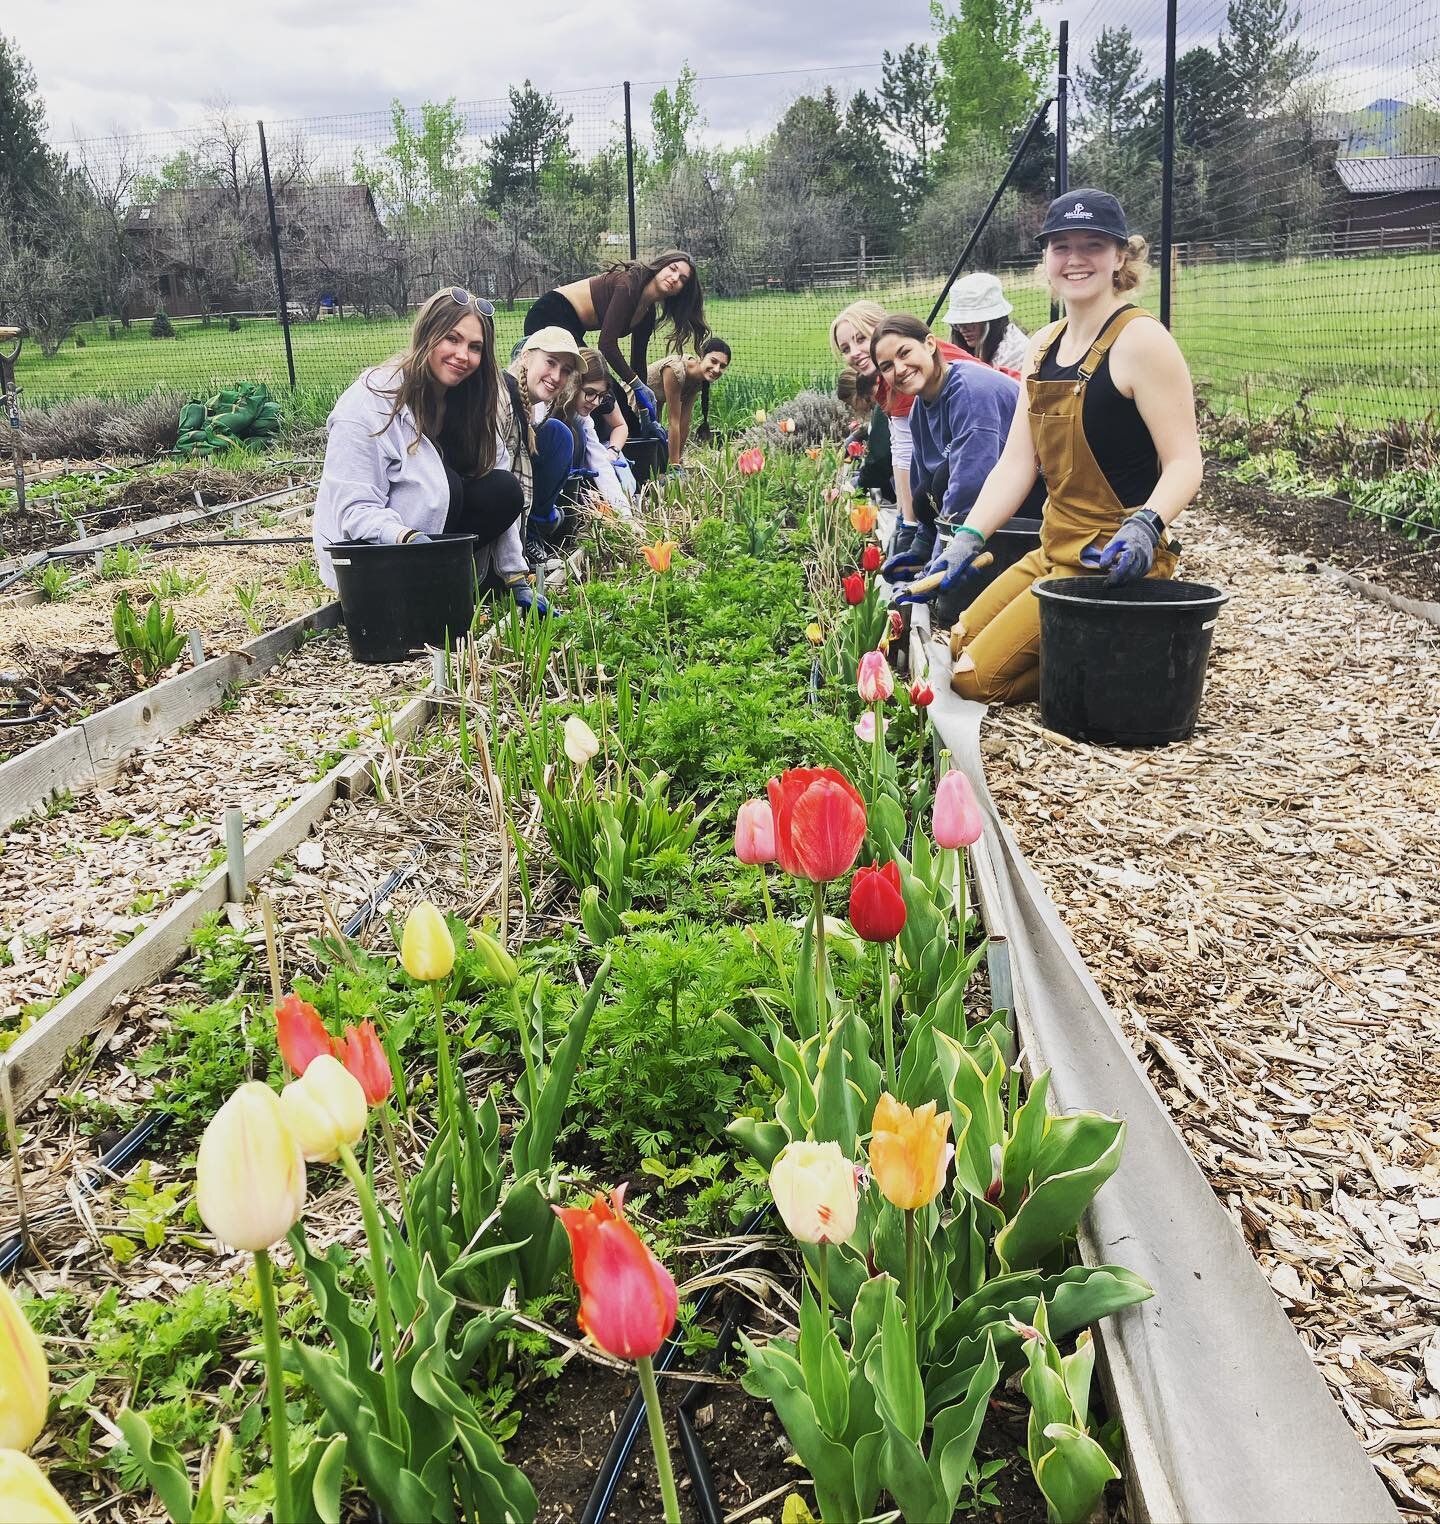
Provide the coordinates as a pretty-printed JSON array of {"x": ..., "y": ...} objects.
[
  {"x": 442, "y": 440},
  {"x": 1105, "y": 451}
]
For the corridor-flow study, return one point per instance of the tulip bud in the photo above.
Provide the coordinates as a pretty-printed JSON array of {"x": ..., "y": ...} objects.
[
  {"x": 957, "y": 818},
  {"x": 427, "y": 950},
  {"x": 870, "y": 558},
  {"x": 365, "y": 1058},
  {"x": 501, "y": 968},
  {"x": 877, "y": 905},
  {"x": 300, "y": 1033},
  {"x": 628, "y": 1299},
  {"x": 865, "y": 726},
  {"x": 909, "y": 1152},
  {"x": 854, "y": 589},
  {"x": 24, "y": 1377},
  {"x": 874, "y": 680},
  {"x": 814, "y": 1188},
  {"x": 26, "y": 1497},
  {"x": 324, "y": 1109},
  {"x": 922, "y": 695},
  {"x": 250, "y": 1173},
  {"x": 581, "y": 743},
  {"x": 814, "y": 634},
  {"x": 755, "y": 832}
]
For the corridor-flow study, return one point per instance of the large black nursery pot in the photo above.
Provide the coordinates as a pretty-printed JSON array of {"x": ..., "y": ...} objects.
[
  {"x": 1009, "y": 544},
  {"x": 398, "y": 599},
  {"x": 1124, "y": 666}
]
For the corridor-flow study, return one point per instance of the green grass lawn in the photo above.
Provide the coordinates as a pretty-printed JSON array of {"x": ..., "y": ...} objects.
[{"x": 1360, "y": 333}]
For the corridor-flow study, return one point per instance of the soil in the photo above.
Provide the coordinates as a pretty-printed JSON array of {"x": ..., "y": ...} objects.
[
  {"x": 1323, "y": 530},
  {"x": 57, "y": 688}
]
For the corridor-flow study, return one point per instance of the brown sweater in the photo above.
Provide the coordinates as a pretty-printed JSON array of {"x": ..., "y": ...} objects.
[{"x": 618, "y": 312}]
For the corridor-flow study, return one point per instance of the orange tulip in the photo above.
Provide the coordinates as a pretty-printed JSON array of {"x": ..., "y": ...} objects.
[
  {"x": 658, "y": 555},
  {"x": 814, "y": 452},
  {"x": 909, "y": 1152},
  {"x": 364, "y": 1057},
  {"x": 863, "y": 518},
  {"x": 786, "y": 425},
  {"x": 627, "y": 1297},
  {"x": 300, "y": 1033}
]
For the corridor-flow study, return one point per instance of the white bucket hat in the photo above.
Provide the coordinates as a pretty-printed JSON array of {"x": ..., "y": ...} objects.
[
  {"x": 554, "y": 341},
  {"x": 977, "y": 299}
]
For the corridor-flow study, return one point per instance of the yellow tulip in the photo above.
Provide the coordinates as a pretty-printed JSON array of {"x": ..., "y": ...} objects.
[
  {"x": 427, "y": 950},
  {"x": 24, "y": 1377},
  {"x": 325, "y": 1109},
  {"x": 250, "y": 1174},
  {"x": 25, "y": 1496},
  {"x": 909, "y": 1152},
  {"x": 814, "y": 634},
  {"x": 814, "y": 1187},
  {"x": 760, "y": 415}
]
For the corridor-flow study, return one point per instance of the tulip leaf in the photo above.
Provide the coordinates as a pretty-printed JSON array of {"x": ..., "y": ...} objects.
[
  {"x": 975, "y": 1107},
  {"x": 1078, "y": 1369},
  {"x": 1089, "y": 1155},
  {"x": 319, "y": 1478},
  {"x": 162, "y": 1464},
  {"x": 824, "y": 1365},
  {"x": 894, "y": 1374},
  {"x": 956, "y": 1428},
  {"x": 750, "y": 1042},
  {"x": 1025, "y": 1134},
  {"x": 761, "y": 1140},
  {"x": 1072, "y": 1474},
  {"x": 535, "y": 1138}
]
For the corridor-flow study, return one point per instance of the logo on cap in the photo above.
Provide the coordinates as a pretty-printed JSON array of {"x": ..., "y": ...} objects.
[{"x": 1078, "y": 210}]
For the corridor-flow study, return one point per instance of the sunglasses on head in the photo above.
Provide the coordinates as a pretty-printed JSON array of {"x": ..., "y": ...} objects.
[{"x": 462, "y": 298}]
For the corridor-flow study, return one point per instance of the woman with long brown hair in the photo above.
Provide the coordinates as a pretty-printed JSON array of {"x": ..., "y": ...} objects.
[
  {"x": 414, "y": 447},
  {"x": 622, "y": 302}
]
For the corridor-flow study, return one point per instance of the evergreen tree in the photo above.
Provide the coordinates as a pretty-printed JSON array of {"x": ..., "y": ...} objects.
[
  {"x": 869, "y": 173},
  {"x": 1259, "y": 56},
  {"x": 29, "y": 171},
  {"x": 531, "y": 149},
  {"x": 909, "y": 106},
  {"x": 672, "y": 119}
]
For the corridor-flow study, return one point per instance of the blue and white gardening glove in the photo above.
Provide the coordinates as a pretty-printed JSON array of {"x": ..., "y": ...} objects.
[
  {"x": 952, "y": 564},
  {"x": 645, "y": 399},
  {"x": 545, "y": 523},
  {"x": 910, "y": 550},
  {"x": 527, "y": 600},
  {"x": 1131, "y": 553}
]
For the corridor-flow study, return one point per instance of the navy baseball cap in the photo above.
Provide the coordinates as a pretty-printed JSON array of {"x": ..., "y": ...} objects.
[{"x": 1086, "y": 211}]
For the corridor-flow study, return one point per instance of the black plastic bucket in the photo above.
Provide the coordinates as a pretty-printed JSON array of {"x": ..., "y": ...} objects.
[
  {"x": 1009, "y": 544},
  {"x": 648, "y": 458},
  {"x": 1124, "y": 666},
  {"x": 397, "y": 599}
]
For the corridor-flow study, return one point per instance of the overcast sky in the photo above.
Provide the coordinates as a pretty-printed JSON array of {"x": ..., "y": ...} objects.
[{"x": 145, "y": 66}]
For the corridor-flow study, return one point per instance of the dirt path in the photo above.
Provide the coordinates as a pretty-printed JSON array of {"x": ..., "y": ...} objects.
[{"x": 1261, "y": 906}]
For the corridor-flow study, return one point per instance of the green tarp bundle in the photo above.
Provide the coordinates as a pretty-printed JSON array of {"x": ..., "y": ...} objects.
[{"x": 237, "y": 415}]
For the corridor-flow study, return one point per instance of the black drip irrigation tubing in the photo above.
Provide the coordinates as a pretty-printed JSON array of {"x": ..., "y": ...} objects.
[
  {"x": 602, "y": 1495},
  {"x": 153, "y": 1123}
]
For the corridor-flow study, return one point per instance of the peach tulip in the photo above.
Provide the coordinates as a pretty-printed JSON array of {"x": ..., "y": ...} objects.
[
  {"x": 250, "y": 1173},
  {"x": 659, "y": 554},
  {"x": 863, "y": 518},
  {"x": 814, "y": 1188},
  {"x": 909, "y": 1152}
]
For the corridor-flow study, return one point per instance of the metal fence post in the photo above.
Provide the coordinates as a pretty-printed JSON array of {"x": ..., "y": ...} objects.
[
  {"x": 630, "y": 169},
  {"x": 279, "y": 263},
  {"x": 1167, "y": 166},
  {"x": 1062, "y": 128}
]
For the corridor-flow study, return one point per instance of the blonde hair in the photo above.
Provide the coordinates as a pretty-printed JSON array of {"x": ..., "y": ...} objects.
[
  {"x": 863, "y": 316},
  {"x": 1132, "y": 274}
]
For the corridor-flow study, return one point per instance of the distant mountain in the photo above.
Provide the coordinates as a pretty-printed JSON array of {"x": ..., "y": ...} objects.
[{"x": 1372, "y": 130}]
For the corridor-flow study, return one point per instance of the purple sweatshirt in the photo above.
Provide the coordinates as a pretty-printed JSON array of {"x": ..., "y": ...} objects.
[{"x": 964, "y": 428}]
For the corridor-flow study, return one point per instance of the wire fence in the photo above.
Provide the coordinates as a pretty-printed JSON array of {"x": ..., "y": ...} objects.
[{"x": 1303, "y": 262}]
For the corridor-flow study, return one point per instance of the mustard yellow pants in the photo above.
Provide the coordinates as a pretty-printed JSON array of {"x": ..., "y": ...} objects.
[{"x": 1001, "y": 630}]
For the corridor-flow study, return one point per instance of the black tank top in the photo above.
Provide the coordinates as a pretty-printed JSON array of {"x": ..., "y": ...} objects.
[{"x": 1114, "y": 429}]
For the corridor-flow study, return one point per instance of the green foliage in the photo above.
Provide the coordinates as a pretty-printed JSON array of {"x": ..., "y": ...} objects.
[
  {"x": 173, "y": 583},
  {"x": 121, "y": 561},
  {"x": 994, "y": 59},
  {"x": 222, "y": 955},
  {"x": 161, "y": 327},
  {"x": 55, "y": 581},
  {"x": 248, "y": 595},
  {"x": 149, "y": 645},
  {"x": 303, "y": 576}
]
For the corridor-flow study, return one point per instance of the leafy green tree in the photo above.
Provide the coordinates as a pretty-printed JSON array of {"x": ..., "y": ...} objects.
[
  {"x": 909, "y": 105},
  {"x": 673, "y": 117},
  {"x": 532, "y": 149},
  {"x": 29, "y": 171},
  {"x": 422, "y": 168},
  {"x": 994, "y": 58},
  {"x": 1260, "y": 58}
]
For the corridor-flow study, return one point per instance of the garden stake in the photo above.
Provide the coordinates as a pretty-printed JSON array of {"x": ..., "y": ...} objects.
[
  {"x": 274, "y": 1384},
  {"x": 272, "y": 955},
  {"x": 384, "y": 1318},
  {"x": 887, "y": 1007},
  {"x": 658, "y": 1440}
]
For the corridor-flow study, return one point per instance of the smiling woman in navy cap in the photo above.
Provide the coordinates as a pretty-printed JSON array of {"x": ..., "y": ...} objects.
[{"x": 1108, "y": 421}]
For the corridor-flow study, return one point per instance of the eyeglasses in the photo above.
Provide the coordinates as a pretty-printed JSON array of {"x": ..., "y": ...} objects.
[
  {"x": 594, "y": 394},
  {"x": 462, "y": 298}
]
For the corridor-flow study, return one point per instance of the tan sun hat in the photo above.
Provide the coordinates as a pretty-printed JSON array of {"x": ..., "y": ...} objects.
[
  {"x": 553, "y": 340},
  {"x": 976, "y": 299}
]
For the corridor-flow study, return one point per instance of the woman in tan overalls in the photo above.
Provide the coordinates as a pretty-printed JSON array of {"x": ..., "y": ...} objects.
[{"x": 1109, "y": 423}]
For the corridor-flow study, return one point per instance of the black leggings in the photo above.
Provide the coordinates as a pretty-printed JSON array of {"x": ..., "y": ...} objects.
[
  {"x": 485, "y": 506},
  {"x": 554, "y": 311},
  {"x": 930, "y": 496}
]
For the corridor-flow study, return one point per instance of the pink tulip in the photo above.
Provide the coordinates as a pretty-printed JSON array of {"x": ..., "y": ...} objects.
[
  {"x": 875, "y": 680},
  {"x": 755, "y": 832},
  {"x": 958, "y": 821},
  {"x": 865, "y": 726}
]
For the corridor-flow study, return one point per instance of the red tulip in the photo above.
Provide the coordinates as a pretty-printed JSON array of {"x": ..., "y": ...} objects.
[
  {"x": 755, "y": 832},
  {"x": 301, "y": 1034},
  {"x": 364, "y": 1057},
  {"x": 958, "y": 820},
  {"x": 877, "y": 908},
  {"x": 870, "y": 558},
  {"x": 897, "y": 622},
  {"x": 855, "y": 449},
  {"x": 854, "y": 588},
  {"x": 819, "y": 822},
  {"x": 627, "y": 1297},
  {"x": 922, "y": 695}
]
